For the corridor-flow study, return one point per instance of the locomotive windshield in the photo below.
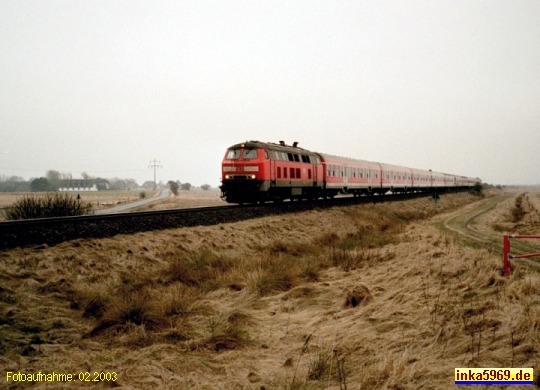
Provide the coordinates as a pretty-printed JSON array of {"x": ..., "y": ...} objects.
[
  {"x": 248, "y": 154},
  {"x": 233, "y": 154}
]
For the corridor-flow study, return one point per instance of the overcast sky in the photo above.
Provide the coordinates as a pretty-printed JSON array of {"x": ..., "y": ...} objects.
[{"x": 104, "y": 87}]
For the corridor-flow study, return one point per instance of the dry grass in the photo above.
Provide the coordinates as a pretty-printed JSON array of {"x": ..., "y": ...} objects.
[
  {"x": 97, "y": 200},
  {"x": 377, "y": 299}
]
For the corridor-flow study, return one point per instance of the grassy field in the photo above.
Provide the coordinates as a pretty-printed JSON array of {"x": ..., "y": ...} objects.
[
  {"x": 103, "y": 199},
  {"x": 98, "y": 199},
  {"x": 94, "y": 197},
  {"x": 363, "y": 297}
]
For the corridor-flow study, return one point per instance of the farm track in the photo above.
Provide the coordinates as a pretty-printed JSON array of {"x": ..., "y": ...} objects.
[
  {"x": 460, "y": 221},
  {"x": 53, "y": 231}
]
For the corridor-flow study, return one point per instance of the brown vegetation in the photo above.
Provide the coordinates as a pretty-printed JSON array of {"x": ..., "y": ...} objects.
[
  {"x": 47, "y": 206},
  {"x": 364, "y": 297}
]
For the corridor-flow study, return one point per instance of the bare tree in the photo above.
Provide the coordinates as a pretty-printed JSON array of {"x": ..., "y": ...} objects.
[
  {"x": 54, "y": 178},
  {"x": 86, "y": 176}
]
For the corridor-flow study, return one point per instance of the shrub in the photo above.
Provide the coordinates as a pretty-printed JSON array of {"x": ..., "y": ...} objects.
[
  {"x": 517, "y": 212},
  {"x": 130, "y": 309},
  {"x": 320, "y": 363},
  {"x": 229, "y": 332},
  {"x": 203, "y": 270},
  {"x": 276, "y": 273},
  {"x": 476, "y": 189},
  {"x": 51, "y": 205}
]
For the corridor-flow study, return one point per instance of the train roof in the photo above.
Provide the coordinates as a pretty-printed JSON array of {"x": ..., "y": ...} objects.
[
  {"x": 330, "y": 158},
  {"x": 282, "y": 147}
]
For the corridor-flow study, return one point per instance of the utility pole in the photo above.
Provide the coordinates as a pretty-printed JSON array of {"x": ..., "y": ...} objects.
[{"x": 155, "y": 164}]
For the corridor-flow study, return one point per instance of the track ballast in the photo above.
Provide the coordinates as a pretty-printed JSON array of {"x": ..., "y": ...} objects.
[{"x": 53, "y": 231}]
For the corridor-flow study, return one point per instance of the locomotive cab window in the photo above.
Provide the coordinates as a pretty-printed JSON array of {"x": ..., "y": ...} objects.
[
  {"x": 233, "y": 154},
  {"x": 250, "y": 154}
]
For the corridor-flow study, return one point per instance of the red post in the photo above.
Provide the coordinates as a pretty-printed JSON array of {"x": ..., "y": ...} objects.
[{"x": 506, "y": 252}]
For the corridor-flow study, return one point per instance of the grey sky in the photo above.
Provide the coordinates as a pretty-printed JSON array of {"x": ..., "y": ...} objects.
[{"x": 106, "y": 86}]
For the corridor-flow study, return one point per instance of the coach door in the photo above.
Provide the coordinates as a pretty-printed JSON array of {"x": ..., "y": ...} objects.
[
  {"x": 313, "y": 169},
  {"x": 272, "y": 168}
]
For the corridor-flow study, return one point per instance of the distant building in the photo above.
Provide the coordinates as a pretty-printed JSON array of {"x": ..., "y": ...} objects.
[{"x": 83, "y": 185}]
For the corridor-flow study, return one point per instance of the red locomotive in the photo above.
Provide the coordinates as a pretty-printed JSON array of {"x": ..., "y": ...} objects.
[{"x": 256, "y": 171}]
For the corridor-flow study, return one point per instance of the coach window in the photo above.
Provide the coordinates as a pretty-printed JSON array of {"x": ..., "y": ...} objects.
[
  {"x": 309, "y": 173},
  {"x": 279, "y": 172},
  {"x": 298, "y": 175},
  {"x": 291, "y": 173},
  {"x": 285, "y": 172}
]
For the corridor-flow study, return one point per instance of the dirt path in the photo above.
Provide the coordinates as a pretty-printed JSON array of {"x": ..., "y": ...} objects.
[
  {"x": 133, "y": 205},
  {"x": 460, "y": 221},
  {"x": 471, "y": 223}
]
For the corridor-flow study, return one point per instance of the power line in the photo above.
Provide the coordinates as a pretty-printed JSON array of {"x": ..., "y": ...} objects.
[{"x": 155, "y": 164}]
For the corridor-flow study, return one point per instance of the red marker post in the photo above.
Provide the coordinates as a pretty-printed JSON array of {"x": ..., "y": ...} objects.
[{"x": 507, "y": 266}]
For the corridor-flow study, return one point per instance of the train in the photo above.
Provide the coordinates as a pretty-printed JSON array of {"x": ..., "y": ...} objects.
[{"x": 258, "y": 172}]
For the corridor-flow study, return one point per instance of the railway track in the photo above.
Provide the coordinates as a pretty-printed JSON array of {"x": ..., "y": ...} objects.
[{"x": 52, "y": 231}]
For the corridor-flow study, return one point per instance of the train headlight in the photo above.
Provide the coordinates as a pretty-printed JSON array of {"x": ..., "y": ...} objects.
[
  {"x": 227, "y": 177},
  {"x": 253, "y": 176}
]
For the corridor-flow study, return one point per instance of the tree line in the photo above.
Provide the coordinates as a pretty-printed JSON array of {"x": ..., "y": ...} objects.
[{"x": 54, "y": 180}]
